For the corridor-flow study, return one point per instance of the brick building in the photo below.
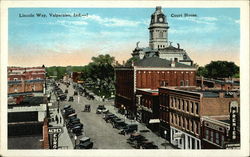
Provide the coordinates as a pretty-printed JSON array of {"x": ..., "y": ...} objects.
[
  {"x": 24, "y": 80},
  {"x": 159, "y": 64},
  {"x": 150, "y": 73},
  {"x": 181, "y": 111}
]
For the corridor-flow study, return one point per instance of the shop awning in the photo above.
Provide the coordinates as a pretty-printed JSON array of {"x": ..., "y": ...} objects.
[{"x": 151, "y": 121}]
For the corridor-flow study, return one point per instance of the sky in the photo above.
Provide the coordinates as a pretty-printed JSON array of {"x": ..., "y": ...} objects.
[{"x": 214, "y": 34}]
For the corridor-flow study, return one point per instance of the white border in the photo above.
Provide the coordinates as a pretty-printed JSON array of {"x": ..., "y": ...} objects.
[{"x": 244, "y": 73}]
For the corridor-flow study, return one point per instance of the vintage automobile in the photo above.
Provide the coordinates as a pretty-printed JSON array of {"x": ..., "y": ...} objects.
[
  {"x": 107, "y": 117},
  {"x": 148, "y": 145},
  {"x": 85, "y": 143},
  {"x": 71, "y": 98},
  {"x": 73, "y": 115},
  {"x": 120, "y": 124},
  {"x": 87, "y": 108},
  {"x": 136, "y": 140},
  {"x": 101, "y": 109},
  {"x": 129, "y": 129},
  {"x": 69, "y": 111}
]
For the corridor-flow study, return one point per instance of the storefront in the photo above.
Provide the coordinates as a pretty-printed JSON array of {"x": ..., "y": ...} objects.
[{"x": 183, "y": 140}]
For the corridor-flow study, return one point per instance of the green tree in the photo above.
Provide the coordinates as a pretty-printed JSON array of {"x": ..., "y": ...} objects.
[
  {"x": 221, "y": 69},
  {"x": 202, "y": 71},
  {"x": 100, "y": 74}
]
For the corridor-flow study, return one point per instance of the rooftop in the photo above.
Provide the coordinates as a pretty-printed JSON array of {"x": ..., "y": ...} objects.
[{"x": 158, "y": 62}]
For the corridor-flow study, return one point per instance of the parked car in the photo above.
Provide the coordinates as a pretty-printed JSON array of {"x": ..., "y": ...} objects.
[
  {"x": 68, "y": 112},
  {"x": 129, "y": 129},
  {"x": 85, "y": 143},
  {"x": 101, "y": 109},
  {"x": 148, "y": 145},
  {"x": 77, "y": 130},
  {"x": 87, "y": 108},
  {"x": 66, "y": 107},
  {"x": 120, "y": 124},
  {"x": 72, "y": 115},
  {"x": 71, "y": 98},
  {"x": 77, "y": 125},
  {"x": 62, "y": 97},
  {"x": 108, "y": 116}
]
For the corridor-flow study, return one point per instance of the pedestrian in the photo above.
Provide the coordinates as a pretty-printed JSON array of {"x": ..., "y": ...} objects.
[
  {"x": 60, "y": 120},
  {"x": 57, "y": 110},
  {"x": 56, "y": 119}
]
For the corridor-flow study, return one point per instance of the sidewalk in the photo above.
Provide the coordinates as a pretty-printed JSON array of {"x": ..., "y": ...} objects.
[
  {"x": 64, "y": 141},
  {"x": 148, "y": 135}
]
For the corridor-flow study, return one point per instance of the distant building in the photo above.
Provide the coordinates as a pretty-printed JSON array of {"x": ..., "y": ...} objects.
[
  {"x": 150, "y": 73},
  {"x": 158, "y": 42},
  {"x": 159, "y": 65},
  {"x": 25, "y": 80},
  {"x": 76, "y": 76},
  {"x": 25, "y": 123},
  {"x": 181, "y": 112}
]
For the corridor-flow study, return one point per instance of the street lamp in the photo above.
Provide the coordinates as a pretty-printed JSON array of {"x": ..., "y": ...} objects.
[
  {"x": 124, "y": 113},
  {"x": 75, "y": 138},
  {"x": 58, "y": 100},
  {"x": 165, "y": 133}
]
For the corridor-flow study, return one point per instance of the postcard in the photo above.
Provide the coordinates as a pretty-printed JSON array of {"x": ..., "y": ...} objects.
[{"x": 123, "y": 78}]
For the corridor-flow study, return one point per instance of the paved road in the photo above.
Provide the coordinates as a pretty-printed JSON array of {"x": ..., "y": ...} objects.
[{"x": 103, "y": 134}]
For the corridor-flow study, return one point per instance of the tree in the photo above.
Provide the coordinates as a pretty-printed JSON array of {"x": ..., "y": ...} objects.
[
  {"x": 202, "y": 71},
  {"x": 100, "y": 74},
  {"x": 130, "y": 60},
  {"x": 219, "y": 69}
]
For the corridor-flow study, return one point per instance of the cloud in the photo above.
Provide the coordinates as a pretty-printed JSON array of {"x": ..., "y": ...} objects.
[{"x": 113, "y": 22}]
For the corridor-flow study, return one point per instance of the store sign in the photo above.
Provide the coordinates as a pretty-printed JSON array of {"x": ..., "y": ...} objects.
[
  {"x": 233, "y": 119},
  {"x": 54, "y": 133},
  {"x": 55, "y": 130},
  {"x": 54, "y": 141},
  {"x": 178, "y": 135}
]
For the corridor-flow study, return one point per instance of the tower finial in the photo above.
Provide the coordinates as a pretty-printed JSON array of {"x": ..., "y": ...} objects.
[{"x": 137, "y": 44}]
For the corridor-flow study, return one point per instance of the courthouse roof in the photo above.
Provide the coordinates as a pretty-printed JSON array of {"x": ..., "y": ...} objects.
[{"x": 158, "y": 62}]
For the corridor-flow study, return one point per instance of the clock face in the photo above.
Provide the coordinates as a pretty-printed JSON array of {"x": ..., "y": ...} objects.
[{"x": 161, "y": 19}]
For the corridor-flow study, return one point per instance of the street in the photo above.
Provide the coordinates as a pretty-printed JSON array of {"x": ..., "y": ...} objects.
[{"x": 101, "y": 133}]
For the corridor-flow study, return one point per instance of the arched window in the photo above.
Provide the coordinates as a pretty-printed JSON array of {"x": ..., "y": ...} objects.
[{"x": 182, "y": 83}]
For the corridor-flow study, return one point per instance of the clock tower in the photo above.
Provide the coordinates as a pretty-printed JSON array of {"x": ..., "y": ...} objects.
[{"x": 158, "y": 30}]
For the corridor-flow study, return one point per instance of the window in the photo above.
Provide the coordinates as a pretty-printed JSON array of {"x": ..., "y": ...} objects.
[
  {"x": 222, "y": 140},
  {"x": 211, "y": 136},
  {"x": 217, "y": 138},
  {"x": 179, "y": 104},
  {"x": 197, "y": 127},
  {"x": 187, "y": 124},
  {"x": 187, "y": 83},
  {"x": 196, "y": 108},
  {"x": 207, "y": 134},
  {"x": 191, "y": 107},
  {"x": 187, "y": 106},
  {"x": 176, "y": 59},
  {"x": 183, "y": 105},
  {"x": 180, "y": 120},
  {"x": 182, "y": 83},
  {"x": 183, "y": 122},
  {"x": 161, "y": 34}
]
